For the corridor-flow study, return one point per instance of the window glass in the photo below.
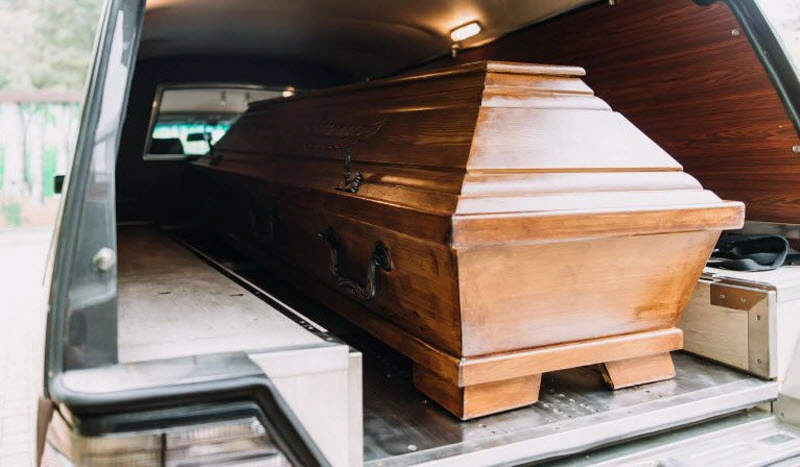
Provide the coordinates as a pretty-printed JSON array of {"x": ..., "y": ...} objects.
[
  {"x": 189, "y": 121},
  {"x": 182, "y": 131},
  {"x": 784, "y": 15}
]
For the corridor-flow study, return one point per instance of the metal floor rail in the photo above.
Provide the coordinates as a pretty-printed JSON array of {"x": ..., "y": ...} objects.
[
  {"x": 745, "y": 440},
  {"x": 576, "y": 413}
]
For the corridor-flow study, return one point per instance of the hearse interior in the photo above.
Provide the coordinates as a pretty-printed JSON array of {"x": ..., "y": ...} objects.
[{"x": 445, "y": 233}]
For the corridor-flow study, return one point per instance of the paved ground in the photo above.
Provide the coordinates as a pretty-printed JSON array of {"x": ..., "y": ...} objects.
[{"x": 23, "y": 254}]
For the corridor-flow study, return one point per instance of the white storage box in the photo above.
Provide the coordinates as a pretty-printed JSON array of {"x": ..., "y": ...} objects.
[{"x": 748, "y": 320}]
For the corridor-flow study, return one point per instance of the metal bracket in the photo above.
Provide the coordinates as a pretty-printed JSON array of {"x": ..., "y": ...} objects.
[
  {"x": 735, "y": 297},
  {"x": 351, "y": 182},
  {"x": 761, "y": 309}
]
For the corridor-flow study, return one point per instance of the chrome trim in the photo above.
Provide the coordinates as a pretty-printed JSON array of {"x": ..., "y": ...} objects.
[
  {"x": 735, "y": 293},
  {"x": 718, "y": 276},
  {"x": 577, "y": 435},
  {"x": 278, "y": 304},
  {"x": 575, "y": 413},
  {"x": 749, "y": 438},
  {"x": 790, "y": 231}
]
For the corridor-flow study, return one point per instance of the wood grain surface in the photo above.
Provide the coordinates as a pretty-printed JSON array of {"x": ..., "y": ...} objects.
[
  {"x": 530, "y": 227},
  {"x": 634, "y": 371},
  {"x": 687, "y": 76},
  {"x": 480, "y": 399}
]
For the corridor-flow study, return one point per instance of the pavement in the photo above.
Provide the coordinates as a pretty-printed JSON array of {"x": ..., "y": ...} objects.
[{"x": 23, "y": 256}]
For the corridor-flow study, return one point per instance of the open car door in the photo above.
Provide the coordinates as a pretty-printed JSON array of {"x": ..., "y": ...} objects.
[{"x": 211, "y": 409}]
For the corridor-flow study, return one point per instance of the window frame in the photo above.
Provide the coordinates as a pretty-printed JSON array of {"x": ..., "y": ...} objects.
[{"x": 156, "y": 110}]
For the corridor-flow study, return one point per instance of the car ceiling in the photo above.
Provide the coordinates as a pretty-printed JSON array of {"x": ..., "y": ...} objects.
[{"x": 364, "y": 38}]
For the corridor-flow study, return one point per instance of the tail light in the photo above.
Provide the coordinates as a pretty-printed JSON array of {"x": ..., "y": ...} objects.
[{"x": 238, "y": 442}]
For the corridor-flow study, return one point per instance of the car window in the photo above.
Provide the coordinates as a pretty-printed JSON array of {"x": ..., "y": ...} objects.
[
  {"x": 189, "y": 120},
  {"x": 784, "y": 16}
]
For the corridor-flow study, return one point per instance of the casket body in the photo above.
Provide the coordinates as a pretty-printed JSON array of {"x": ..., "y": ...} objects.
[{"x": 492, "y": 221}]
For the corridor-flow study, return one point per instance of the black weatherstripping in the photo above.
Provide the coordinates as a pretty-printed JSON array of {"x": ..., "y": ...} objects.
[
  {"x": 773, "y": 56},
  {"x": 81, "y": 373},
  {"x": 76, "y": 238},
  {"x": 97, "y": 412},
  {"x": 164, "y": 419}
]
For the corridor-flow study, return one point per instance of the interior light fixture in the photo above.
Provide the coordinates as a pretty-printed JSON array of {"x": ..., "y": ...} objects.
[{"x": 465, "y": 32}]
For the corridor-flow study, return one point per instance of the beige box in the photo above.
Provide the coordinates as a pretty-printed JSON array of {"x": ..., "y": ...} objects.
[{"x": 748, "y": 320}]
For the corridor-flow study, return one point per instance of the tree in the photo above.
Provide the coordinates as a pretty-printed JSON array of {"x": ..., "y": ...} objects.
[
  {"x": 63, "y": 42},
  {"x": 34, "y": 115},
  {"x": 48, "y": 45},
  {"x": 14, "y": 150},
  {"x": 17, "y": 21}
]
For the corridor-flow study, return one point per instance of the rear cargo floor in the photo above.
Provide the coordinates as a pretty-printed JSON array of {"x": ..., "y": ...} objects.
[
  {"x": 173, "y": 304},
  {"x": 747, "y": 439},
  {"x": 576, "y": 412}
]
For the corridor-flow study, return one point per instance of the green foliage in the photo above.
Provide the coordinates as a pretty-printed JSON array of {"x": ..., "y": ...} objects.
[
  {"x": 12, "y": 214},
  {"x": 47, "y": 44},
  {"x": 26, "y": 169},
  {"x": 49, "y": 169},
  {"x": 2, "y": 165}
]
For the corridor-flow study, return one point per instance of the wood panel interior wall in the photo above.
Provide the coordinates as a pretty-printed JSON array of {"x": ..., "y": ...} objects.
[{"x": 688, "y": 77}]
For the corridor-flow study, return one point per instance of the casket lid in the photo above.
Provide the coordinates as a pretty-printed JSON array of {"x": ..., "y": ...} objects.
[
  {"x": 486, "y": 66},
  {"x": 483, "y": 153}
]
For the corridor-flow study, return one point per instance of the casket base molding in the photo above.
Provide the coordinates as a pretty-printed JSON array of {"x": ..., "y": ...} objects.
[
  {"x": 472, "y": 387},
  {"x": 475, "y": 386}
]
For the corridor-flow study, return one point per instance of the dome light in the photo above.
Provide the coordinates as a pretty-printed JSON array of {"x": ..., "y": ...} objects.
[{"x": 465, "y": 32}]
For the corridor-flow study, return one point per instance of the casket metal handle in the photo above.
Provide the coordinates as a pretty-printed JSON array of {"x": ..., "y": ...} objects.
[
  {"x": 263, "y": 228},
  {"x": 380, "y": 258},
  {"x": 351, "y": 181}
]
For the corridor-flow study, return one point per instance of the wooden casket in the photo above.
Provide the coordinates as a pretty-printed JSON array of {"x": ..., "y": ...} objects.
[{"x": 491, "y": 221}]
